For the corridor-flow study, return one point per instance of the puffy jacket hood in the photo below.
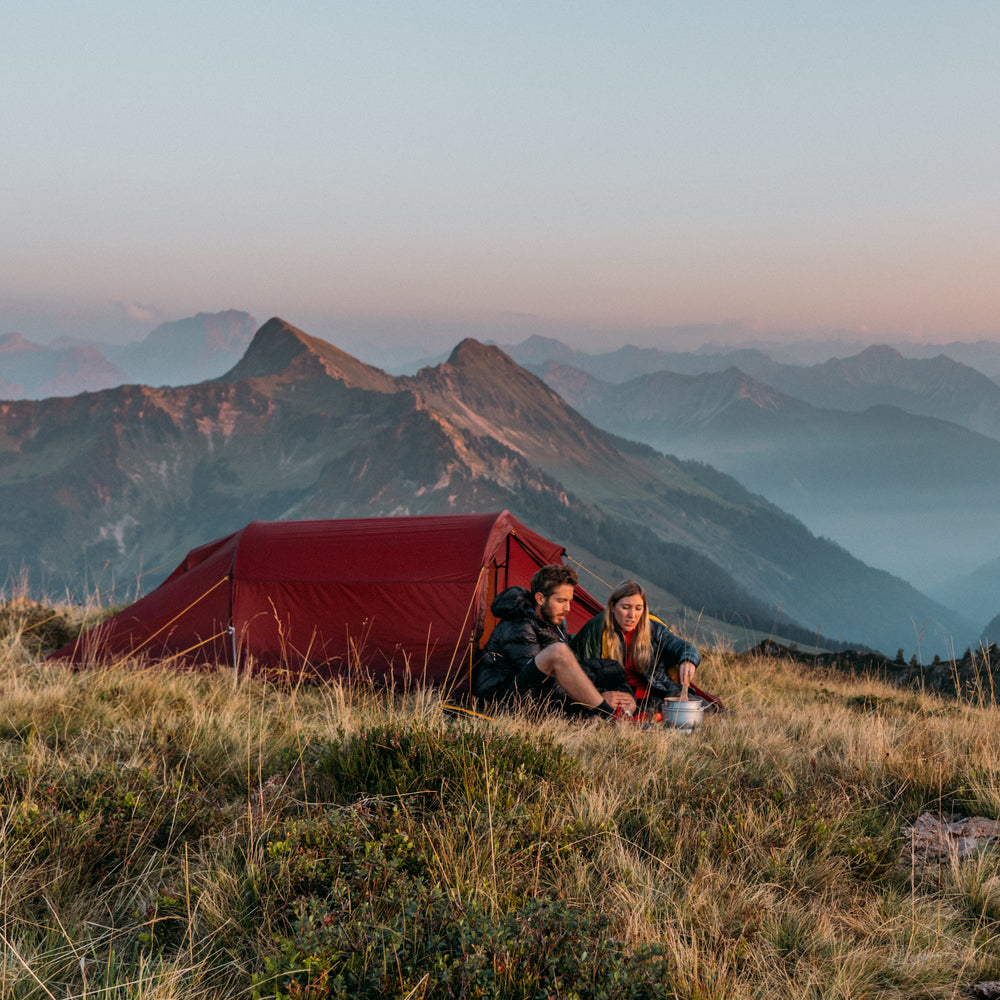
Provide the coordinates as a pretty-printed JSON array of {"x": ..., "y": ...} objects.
[{"x": 513, "y": 603}]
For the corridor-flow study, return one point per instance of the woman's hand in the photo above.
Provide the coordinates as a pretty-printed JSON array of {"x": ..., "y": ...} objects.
[{"x": 686, "y": 671}]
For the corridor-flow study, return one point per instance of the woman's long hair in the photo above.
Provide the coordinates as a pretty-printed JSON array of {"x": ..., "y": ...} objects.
[{"x": 642, "y": 645}]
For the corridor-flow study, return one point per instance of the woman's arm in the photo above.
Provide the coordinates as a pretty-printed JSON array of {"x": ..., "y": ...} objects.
[{"x": 670, "y": 650}]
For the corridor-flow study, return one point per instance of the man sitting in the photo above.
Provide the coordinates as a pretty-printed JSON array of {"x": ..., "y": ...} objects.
[{"x": 528, "y": 653}]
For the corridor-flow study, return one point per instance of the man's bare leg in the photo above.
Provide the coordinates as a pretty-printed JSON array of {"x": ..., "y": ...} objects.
[{"x": 558, "y": 662}]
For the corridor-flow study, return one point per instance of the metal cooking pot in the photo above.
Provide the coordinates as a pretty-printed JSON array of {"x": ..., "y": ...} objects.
[{"x": 684, "y": 715}]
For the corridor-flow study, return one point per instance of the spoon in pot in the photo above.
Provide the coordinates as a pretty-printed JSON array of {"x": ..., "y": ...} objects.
[{"x": 684, "y": 693}]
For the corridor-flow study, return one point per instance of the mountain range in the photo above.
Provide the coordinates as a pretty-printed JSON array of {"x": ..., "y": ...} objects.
[
  {"x": 103, "y": 488},
  {"x": 792, "y": 358},
  {"x": 883, "y": 482},
  {"x": 893, "y": 457},
  {"x": 178, "y": 353}
]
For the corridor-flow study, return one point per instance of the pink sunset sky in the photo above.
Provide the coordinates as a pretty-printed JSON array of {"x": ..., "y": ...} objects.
[{"x": 417, "y": 172}]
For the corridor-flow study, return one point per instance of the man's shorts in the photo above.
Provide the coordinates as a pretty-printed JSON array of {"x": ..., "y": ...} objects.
[{"x": 528, "y": 681}]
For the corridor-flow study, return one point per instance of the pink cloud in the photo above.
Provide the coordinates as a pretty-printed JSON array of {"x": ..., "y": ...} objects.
[{"x": 140, "y": 313}]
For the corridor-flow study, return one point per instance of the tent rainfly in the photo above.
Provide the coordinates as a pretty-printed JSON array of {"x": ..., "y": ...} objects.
[{"x": 395, "y": 598}]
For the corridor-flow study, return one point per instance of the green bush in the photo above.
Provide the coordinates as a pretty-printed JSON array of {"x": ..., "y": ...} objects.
[
  {"x": 109, "y": 819},
  {"x": 419, "y": 937},
  {"x": 433, "y": 770},
  {"x": 365, "y": 914}
]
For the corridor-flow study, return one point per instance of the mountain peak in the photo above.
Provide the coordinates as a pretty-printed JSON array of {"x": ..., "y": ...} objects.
[
  {"x": 274, "y": 348},
  {"x": 880, "y": 352},
  {"x": 872, "y": 365},
  {"x": 205, "y": 333},
  {"x": 472, "y": 352},
  {"x": 15, "y": 342},
  {"x": 536, "y": 350},
  {"x": 281, "y": 350},
  {"x": 488, "y": 366},
  {"x": 482, "y": 389}
]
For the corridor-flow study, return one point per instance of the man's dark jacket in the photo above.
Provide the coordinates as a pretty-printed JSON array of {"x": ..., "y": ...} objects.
[{"x": 518, "y": 637}]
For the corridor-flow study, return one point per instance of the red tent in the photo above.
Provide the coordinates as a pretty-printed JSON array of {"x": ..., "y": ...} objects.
[{"x": 398, "y": 598}]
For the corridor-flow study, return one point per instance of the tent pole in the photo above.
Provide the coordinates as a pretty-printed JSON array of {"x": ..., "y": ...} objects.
[{"x": 236, "y": 662}]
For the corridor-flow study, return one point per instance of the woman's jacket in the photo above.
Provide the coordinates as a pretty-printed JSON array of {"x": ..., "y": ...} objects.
[{"x": 669, "y": 649}]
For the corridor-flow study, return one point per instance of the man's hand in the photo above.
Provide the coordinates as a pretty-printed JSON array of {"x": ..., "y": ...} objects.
[
  {"x": 686, "y": 671},
  {"x": 619, "y": 699}
]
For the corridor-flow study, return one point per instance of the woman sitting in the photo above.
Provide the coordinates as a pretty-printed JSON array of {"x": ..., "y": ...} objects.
[{"x": 656, "y": 660}]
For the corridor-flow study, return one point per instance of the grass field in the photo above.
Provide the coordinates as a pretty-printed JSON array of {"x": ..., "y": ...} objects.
[{"x": 172, "y": 835}]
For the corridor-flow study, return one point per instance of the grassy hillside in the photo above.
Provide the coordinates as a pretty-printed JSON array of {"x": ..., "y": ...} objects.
[{"x": 187, "y": 836}]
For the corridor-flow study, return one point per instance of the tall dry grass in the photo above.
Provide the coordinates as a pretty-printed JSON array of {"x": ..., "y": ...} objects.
[{"x": 187, "y": 836}]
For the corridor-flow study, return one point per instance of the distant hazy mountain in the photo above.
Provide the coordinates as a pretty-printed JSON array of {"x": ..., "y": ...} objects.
[
  {"x": 628, "y": 362},
  {"x": 881, "y": 376},
  {"x": 101, "y": 487},
  {"x": 983, "y": 355},
  {"x": 977, "y": 594},
  {"x": 187, "y": 351},
  {"x": 911, "y": 494},
  {"x": 32, "y": 371},
  {"x": 877, "y": 376},
  {"x": 991, "y": 633},
  {"x": 180, "y": 353}
]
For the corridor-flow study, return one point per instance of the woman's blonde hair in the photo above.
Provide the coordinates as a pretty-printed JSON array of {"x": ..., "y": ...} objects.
[{"x": 642, "y": 645}]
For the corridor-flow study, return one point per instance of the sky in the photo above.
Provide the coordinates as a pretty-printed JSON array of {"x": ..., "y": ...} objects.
[{"x": 415, "y": 172}]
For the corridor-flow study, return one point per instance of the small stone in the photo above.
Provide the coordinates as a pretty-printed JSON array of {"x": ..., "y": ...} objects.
[{"x": 984, "y": 991}]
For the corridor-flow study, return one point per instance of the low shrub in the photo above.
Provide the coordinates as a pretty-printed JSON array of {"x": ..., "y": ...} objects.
[
  {"x": 36, "y": 628},
  {"x": 418, "y": 940},
  {"x": 433, "y": 769}
]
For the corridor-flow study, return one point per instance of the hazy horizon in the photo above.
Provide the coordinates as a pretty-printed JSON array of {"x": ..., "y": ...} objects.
[
  {"x": 420, "y": 173},
  {"x": 402, "y": 345}
]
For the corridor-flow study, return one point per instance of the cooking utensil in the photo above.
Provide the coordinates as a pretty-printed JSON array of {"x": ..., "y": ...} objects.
[{"x": 683, "y": 713}]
